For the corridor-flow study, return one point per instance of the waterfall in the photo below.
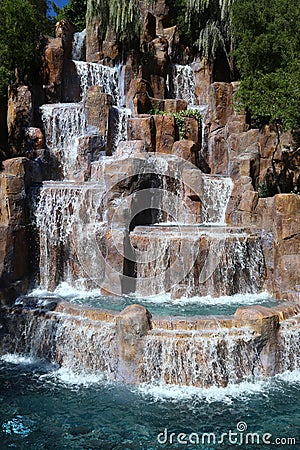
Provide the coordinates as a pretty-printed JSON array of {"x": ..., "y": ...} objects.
[
  {"x": 289, "y": 353},
  {"x": 67, "y": 340},
  {"x": 194, "y": 359},
  {"x": 183, "y": 83},
  {"x": 193, "y": 261},
  {"x": 70, "y": 222},
  {"x": 64, "y": 123},
  {"x": 78, "y": 45},
  {"x": 118, "y": 119},
  {"x": 93, "y": 74},
  {"x": 216, "y": 195}
]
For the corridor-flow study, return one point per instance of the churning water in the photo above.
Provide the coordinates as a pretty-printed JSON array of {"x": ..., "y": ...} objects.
[{"x": 43, "y": 407}]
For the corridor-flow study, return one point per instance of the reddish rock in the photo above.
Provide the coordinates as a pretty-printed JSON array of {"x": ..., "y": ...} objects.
[
  {"x": 17, "y": 176},
  {"x": 19, "y": 116},
  {"x": 53, "y": 69},
  {"x": 187, "y": 150},
  {"x": 142, "y": 128},
  {"x": 64, "y": 30},
  {"x": 165, "y": 133},
  {"x": 203, "y": 76},
  {"x": 97, "y": 105}
]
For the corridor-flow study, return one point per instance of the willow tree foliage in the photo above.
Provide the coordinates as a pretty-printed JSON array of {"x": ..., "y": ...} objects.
[
  {"x": 121, "y": 16},
  {"x": 212, "y": 18}
]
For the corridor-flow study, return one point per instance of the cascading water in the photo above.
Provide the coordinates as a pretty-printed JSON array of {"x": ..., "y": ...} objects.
[
  {"x": 118, "y": 120},
  {"x": 64, "y": 123},
  {"x": 216, "y": 194},
  {"x": 78, "y": 45},
  {"x": 92, "y": 74},
  {"x": 66, "y": 340},
  {"x": 70, "y": 220},
  {"x": 183, "y": 83},
  {"x": 194, "y": 359}
]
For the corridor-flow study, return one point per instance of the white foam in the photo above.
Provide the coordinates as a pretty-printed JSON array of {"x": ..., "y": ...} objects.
[
  {"x": 237, "y": 299},
  {"x": 14, "y": 358},
  {"x": 70, "y": 378},
  {"x": 164, "y": 392},
  {"x": 289, "y": 376},
  {"x": 66, "y": 291}
]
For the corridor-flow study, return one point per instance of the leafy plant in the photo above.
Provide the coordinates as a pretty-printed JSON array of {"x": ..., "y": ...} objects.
[
  {"x": 180, "y": 117},
  {"x": 263, "y": 190}
]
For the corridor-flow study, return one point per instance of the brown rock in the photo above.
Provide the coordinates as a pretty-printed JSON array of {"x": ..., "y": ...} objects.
[
  {"x": 97, "y": 105},
  {"x": 100, "y": 47},
  {"x": 233, "y": 212},
  {"x": 53, "y": 69},
  {"x": 142, "y": 128},
  {"x": 17, "y": 175},
  {"x": 217, "y": 154},
  {"x": 203, "y": 75},
  {"x": 192, "y": 131},
  {"x": 64, "y": 30},
  {"x": 129, "y": 148},
  {"x": 159, "y": 61},
  {"x": 187, "y": 150},
  {"x": 220, "y": 104},
  {"x": 71, "y": 91},
  {"x": 149, "y": 27},
  {"x": 132, "y": 324},
  {"x": 172, "y": 36},
  {"x": 138, "y": 96},
  {"x": 94, "y": 38},
  {"x": 158, "y": 86},
  {"x": 248, "y": 201},
  {"x": 19, "y": 116},
  {"x": 165, "y": 133},
  {"x": 35, "y": 142}
]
